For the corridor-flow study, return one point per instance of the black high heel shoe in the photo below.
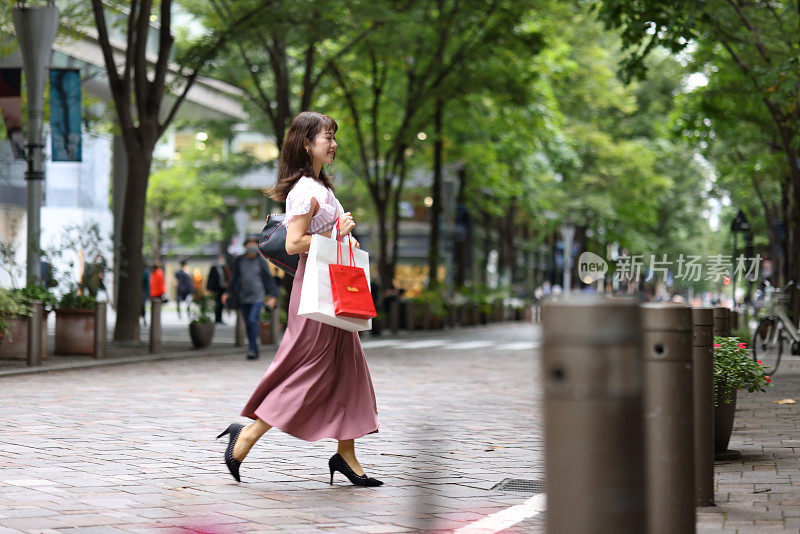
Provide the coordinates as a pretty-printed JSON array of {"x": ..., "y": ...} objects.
[
  {"x": 337, "y": 463},
  {"x": 233, "y": 464}
]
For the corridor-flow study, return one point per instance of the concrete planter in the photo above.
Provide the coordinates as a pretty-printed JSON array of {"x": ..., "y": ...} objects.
[
  {"x": 201, "y": 334},
  {"x": 16, "y": 347},
  {"x": 265, "y": 332},
  {"x": 74, "y": 332},
  {"x": 436, "y": 322},
  {"x": 724, "y": 415},
  {"x": 498, "y": 311}
]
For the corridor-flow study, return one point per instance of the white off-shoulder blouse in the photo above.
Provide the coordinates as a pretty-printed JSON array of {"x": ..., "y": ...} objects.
[{"x": 298, "y": 202}]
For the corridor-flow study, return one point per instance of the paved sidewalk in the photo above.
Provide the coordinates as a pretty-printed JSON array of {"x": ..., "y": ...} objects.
[
  {"x": 131, "y": 448},
  {"x": 761, "y": 491}
]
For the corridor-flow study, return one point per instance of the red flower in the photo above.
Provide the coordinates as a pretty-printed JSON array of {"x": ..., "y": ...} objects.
[
  {"x": 768, "y": 379},
  {"x": 742, "y": 345},
  {"x": 760, "y": 362},
  {"x": 716, "y": 345}
]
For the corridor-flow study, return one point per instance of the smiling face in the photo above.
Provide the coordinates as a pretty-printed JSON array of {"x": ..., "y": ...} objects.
[{"x": 323, "y": 148}]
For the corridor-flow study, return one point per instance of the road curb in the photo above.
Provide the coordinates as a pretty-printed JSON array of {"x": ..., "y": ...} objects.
[{"x": 226, "y": 351}]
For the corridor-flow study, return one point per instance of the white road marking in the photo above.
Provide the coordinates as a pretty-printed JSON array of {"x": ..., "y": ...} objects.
[
  {"x": 381, "y": 343},
  {"x": 519, "y": 345},
  {"x": 466, "y": 345},
  {"x": 400, "y": 344},
  {"x": 423, "y": 344},
  {"x": 506, "y": 518}
]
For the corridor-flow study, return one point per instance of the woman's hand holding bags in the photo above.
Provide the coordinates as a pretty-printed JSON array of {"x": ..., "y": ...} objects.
[
  {"x": 316, "y": 294},
  {"x": 351, "y": 294}
]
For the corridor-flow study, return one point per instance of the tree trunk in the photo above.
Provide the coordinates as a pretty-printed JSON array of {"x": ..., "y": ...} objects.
[
  {"x": 506, "y": 244},
  {"x": 460, "y": 246},
  {"x": 395, "y": 237},
  {"x": 436, "y": 195},
  {"x": 386, "y": 277},
  {"x": 130, "y": 286},
  {"x": 158, "y": 239},
  {"x": 793, "y": 239}
]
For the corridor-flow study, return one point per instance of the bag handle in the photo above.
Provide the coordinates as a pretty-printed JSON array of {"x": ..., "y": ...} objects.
[{"x": 339, "y": 258}]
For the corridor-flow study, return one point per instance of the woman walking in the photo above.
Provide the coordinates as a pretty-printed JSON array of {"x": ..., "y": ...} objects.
[{"x": 318, "y": 386}]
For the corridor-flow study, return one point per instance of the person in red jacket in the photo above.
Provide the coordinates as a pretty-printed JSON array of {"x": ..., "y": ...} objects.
[{"x": 157, "y": 286}]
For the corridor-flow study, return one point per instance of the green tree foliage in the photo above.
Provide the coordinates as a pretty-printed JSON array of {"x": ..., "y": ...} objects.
[
  {"x": 584, "y": 146},
  {"x": 751, "y": 54},
  {"x": 186, "y": 200},
  {"x": 282, "y": 55},
  {"x": 389, "y": 83}
]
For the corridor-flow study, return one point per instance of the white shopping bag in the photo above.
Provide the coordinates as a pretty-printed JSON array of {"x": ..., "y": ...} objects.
[{"x": 316, "y": 295}]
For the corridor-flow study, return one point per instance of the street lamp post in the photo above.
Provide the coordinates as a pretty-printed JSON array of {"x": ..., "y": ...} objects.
[
  {"x": 36, "y": 29},
  {"x": 567, "y": 234},
  {"x": 739, "y": 224}
]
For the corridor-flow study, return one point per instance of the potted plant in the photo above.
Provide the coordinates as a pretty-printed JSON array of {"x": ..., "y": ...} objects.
[
  {"x": 265, "y": 326},
  {"x": 11, "y": 308},
  {"x": 201, "y": 327},
  {"x": 734, "y": 369},
  {"x": 75, "y": 323},
  {"x": 284, "y": 317},
  {"x": 430, "y": 310},
  {"x": 16, "y": 348}
]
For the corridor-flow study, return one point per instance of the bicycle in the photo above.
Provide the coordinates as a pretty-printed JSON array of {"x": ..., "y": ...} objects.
[{"x": 775, "y": 330}]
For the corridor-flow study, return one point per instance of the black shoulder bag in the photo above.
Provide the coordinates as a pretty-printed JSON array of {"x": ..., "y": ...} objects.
[{"x": 272, "y": 244}]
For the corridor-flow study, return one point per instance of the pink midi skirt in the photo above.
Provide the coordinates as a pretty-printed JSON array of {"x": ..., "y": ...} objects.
[{"x": 318, "y": 385}]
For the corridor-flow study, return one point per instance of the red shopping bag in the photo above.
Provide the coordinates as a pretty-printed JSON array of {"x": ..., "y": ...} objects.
[{"x": 351, "y": 295}]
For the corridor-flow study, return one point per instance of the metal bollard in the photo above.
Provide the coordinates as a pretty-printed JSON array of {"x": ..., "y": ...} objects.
[
  {"x": 703, "y": 373},
  {"x": 239, "y": 330},
  {"x": 426, "y": 316},
  {"x": 35, "y": 342},
  {"x": 594, "y": 452},
  {"x": 669, "y": 418},
  {"x": 394, "y": 316},
  {"x": 275, "y": 324},
  {"x": 155, "y": 325},
  {"x": 100, "y": 331},
  {"x": 720, "y": 322}
]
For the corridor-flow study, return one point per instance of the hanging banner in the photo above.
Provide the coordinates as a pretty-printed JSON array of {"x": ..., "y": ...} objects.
[
  {"x": 11, "y": 109},
  {"x": 65, "y": 114}
]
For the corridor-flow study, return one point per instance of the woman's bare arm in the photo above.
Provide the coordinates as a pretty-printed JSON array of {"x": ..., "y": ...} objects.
[{"x": 296, "y": 239}]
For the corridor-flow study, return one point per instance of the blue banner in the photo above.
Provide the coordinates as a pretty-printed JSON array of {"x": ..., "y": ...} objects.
[{"x": 65, "y": 114}]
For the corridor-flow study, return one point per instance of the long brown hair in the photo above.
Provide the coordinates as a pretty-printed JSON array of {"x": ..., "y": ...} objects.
[{"x": 295, "y": 161}]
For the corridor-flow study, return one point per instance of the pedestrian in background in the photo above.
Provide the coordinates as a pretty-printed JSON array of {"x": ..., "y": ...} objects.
[
  {"x": 218, "y": 278},
  {"x": 250, "y": 284},
  {"x": 157, "y": 286},
  {"x": 318, "y": 385},
  {"x": 184, "y": 288},
  {"x": 94, "y": 275}
]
